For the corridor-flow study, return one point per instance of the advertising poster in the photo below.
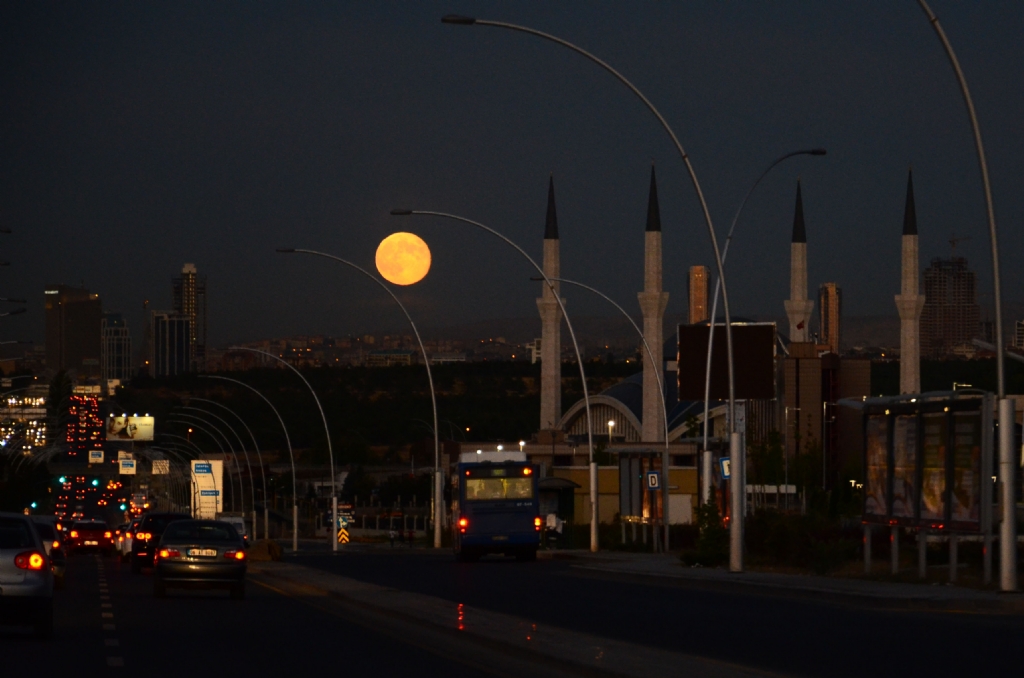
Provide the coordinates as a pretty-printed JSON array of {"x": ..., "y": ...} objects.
[
  {"x": 933, "y": 482},
  {"x": 207, "y": 486},
  {"x": 904, "y": 469},
  {"x": 877, "y": 466},
  {"x": 966, "y": 499},
  {"x": 161, "y": 467},
  {"x": 130, "y": 428}
]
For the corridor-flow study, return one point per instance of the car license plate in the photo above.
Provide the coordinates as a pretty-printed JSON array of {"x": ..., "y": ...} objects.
[
  {"x": 92, "y": 543},
  {"x": 202, "y": 552}
]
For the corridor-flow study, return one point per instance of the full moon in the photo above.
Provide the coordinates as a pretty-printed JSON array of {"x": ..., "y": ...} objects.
[{"x": 403, "y": 258}]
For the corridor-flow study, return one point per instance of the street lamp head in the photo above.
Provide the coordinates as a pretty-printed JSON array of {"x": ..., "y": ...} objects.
[
  {"x": 458, "y": 20},
  {"x": 285, "y": 250},
  {"x": 400, "y": 213}
]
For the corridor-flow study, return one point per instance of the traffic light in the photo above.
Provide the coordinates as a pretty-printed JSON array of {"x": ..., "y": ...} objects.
[
  {"x": 95, "y": 482},
  {"x": 62, "y": 479},
  {"x": 123, "y": 507}
]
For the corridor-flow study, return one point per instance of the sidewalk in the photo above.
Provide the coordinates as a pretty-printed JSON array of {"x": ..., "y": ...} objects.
[{"x": 644, "y": 566}]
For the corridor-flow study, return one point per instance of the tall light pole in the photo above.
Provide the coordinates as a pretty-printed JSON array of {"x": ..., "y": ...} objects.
[
  {"x": 252, "y": 484},
  {"x": 259, "y": 456},
  {"x": 705, "y": 493},
  {"x": 572, "y": 335},
  {"x": 327, "y": 432},
  {"x": 661, "y": 393},
  {"x": 291, "y": 455},
  {"x": 438, "y": 490},
  {"x": 737, "y": 479},
  {"x": 1007, "y": 462}
]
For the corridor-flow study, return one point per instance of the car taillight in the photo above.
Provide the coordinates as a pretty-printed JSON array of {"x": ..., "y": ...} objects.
[
  {"x": 527, "y": 471},
  {"x": 463, "y": 524},
  {"x": 536, "y": 523},
  {"x": 56, "y": 545},
  {"x": 143, "y": 536},
  {"x": 234, "y": 555},
  {"x": 30, "y": 560},
  {"x": 169, "y": 553},
  {"x": 74, "y": 534},
  {"x": 106, "y": 535},
  {"x": 127, "y": 535}
]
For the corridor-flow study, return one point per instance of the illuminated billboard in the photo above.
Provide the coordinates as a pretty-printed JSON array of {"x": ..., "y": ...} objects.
[
  {"x": 927, "y": 459},
  {"x": 130, "y": 428}
]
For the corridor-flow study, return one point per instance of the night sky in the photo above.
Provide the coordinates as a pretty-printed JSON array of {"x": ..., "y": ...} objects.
[{"x": 135, "y": 137}]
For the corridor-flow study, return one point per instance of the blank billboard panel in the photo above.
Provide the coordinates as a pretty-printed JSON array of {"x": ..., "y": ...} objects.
[{"x": 753, "y": 361}]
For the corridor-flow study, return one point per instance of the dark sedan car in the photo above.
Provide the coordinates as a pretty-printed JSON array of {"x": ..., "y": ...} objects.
[
  {"x": 200, "y": 553},
  {"x": 145, "y": 539}
]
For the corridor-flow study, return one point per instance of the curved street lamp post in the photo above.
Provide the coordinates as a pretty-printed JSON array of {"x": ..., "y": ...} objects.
[
  {"x": 327, "y": 432},
  {"x": 291, "y": 455},
  {"x": 437, "y": 490},
  {"x": 738, "y": 478},
  {"x": 705, "y": 493},
  {"x": 259, "y": 456},
  {"x": 1007, "y": 472},
  {"x": 572, "y": 335},
  {"x": 661, "y": 394}
]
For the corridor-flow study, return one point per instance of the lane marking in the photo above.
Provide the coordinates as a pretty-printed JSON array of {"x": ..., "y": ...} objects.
[
  {"x": 106, "y": 605},
  {"x": 108, "y": 627},
  {"x": 107, "y": 615},
  {"x": 115, "y": 661},
  {"x": 110, "y": 642}
]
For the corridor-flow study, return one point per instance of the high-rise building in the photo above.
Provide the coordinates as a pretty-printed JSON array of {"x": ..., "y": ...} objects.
[
  {"x": 189, "y": 291},
  {"x": 909, "y": 303},
  {"x": 1018, "y": 334},
  {"x": 950, "y": 318},
  {"x": 73, "y": 330},
  {"x": 171, "y": 345},
  {"x": 116, "y": 348},
  {"x": 699, "y": 310},
  {"x": 830, "y": 300}
]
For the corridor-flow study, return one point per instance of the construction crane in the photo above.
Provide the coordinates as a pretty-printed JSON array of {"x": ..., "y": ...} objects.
[{"x": 953, "y": 240}]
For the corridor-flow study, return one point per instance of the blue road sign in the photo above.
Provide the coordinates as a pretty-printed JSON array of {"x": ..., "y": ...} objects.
[
  {"x": 204, "y": 468},
  {"x": 209, "y": 493},
  {"x": 653, "y": 480},
  {"x": 726, "y": 467}
]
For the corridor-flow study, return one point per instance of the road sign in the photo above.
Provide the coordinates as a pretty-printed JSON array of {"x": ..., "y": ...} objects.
[
  {"x": 653, "y": 480},
  {"x": 343, "y": 536},
  {"x": 726, "y": 467},
  {"x": 95, "y": 456},
  {"x": 209, "y": 493},
  {"x": 127, "y": 467},
  {"x": 203, "y": 468}
]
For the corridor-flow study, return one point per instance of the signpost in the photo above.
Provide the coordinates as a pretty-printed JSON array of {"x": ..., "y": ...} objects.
[
  {"x": 346, "y": 517},
  {"x": 95, "y": 456},
  {"x": 207, "y": 482},
  {"x": 653, "y": 480},
  {"x": 726, "y": 467},
  {"x": 127, "y": 467}
]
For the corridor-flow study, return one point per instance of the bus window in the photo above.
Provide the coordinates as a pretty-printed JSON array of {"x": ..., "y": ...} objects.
[{"x": 484, "y": 489}]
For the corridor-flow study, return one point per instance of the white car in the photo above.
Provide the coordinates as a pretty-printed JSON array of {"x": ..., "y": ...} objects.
[
  {"x": 237, "y": 522},
  {"x": 124, "y": 539},
  {"x": 26, "y": 580}
]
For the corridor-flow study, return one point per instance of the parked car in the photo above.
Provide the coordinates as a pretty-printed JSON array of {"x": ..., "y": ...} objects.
[
  {"x": 26, "y": 580},
  {"x": 88, "y": 535},
  {"x": 53, "y": 540},
  {"x": 144, "y": 540},
  {"x": 205, "y": 553}
]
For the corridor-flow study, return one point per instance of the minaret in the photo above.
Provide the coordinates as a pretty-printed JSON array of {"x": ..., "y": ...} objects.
[
  {"x": 798, "y": 307},
  {"x": 908, "y": 302},
  {"x": 652, "y": 304},
  {"x": 551, "y": 325}
]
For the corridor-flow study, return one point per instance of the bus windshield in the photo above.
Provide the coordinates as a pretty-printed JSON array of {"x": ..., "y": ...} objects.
[{"x": 484, "y": 489}]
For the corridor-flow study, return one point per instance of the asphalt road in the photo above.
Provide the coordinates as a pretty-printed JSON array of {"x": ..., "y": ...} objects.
[
  {"x": 203, "y": 633},
  {"x": 789, "y": 635}
]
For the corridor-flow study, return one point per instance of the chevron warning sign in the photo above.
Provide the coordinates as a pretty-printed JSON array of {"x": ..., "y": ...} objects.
[{"x": 343, "y": 536}]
